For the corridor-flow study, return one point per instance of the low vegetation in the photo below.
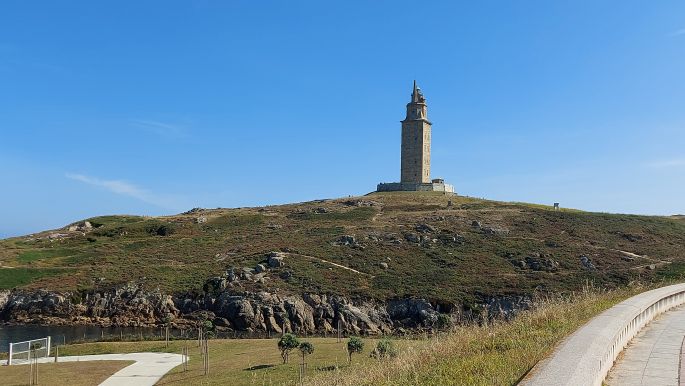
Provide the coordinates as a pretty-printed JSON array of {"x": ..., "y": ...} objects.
[
  {"x": 454, "y": 251},
  {"x": 497, "y": 353}
]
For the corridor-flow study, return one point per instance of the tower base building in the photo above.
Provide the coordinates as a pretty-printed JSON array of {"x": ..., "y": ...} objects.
[
  {"x": 437, "y": 185},
  {"x": 416, "y": 151}
]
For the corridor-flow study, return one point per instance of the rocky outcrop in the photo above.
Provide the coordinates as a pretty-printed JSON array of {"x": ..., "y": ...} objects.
[
  {"x": 508, "y": 306},
  {"x": 127, "y": 305},
  {"x": 228, "y": 309}
]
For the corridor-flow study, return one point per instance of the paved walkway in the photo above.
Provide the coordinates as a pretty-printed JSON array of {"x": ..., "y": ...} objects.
[
  {"x": 653, "y": 357},
  {"x": 148, "y": 368}
]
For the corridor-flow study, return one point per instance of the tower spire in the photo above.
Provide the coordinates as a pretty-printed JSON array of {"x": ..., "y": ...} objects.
[{"x": 416, "y": 95}]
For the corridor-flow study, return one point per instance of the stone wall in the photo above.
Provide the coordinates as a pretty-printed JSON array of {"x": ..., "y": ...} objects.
[{"x": 413, "y": 187}]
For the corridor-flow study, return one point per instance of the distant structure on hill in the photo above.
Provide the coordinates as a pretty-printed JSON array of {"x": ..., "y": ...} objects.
[{"x": 416, "y": 151}]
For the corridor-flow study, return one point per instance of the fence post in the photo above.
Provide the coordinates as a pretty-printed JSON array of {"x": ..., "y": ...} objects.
[
  {"x": 339, "y": 332},
  {"x": 35, "y": 379},
  {"x": 30, "y": 366},
  {"x": 206, "y": 356},
  {"x": 9, "y": 359}
]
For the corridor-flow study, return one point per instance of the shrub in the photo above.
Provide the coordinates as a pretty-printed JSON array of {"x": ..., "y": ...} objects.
[
  {"x": 444, "y": 322},
  {"x": 162, "y": 230},
  {"x": 354, "y": 345},
  {"x": 286, "y": 344},
  {"x": 385, "y": 348}
]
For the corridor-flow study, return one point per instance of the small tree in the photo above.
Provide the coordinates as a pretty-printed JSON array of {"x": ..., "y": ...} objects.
[
  {"x": 354, "y": 345},
  {"x": 168, "y": 318},
  {"x": 286, "y": 344},
  {"x": 209, "y": 329},
  {"x": 306, "y": 348}
]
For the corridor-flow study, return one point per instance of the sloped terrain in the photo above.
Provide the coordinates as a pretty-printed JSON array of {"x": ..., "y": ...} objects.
[{"x": 448, "y": 249}]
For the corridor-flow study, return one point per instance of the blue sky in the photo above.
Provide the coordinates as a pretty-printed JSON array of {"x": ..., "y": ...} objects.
[{"x": 155, "y": 107}]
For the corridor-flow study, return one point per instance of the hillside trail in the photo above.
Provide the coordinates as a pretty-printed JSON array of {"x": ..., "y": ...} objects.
[
  {"x": 654, "y": 262},
  {"x": 332, "y": 263}
]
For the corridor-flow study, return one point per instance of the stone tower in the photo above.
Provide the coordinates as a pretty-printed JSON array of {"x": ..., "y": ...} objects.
[
  {"x": 416, "y": 141},
  {"x": 415, "y": 172}
]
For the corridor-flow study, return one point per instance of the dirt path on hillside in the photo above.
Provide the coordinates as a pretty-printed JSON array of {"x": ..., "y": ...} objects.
[{"x": 332, "y": 263}]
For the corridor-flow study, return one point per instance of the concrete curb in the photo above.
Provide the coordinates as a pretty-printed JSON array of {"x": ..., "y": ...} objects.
[
  {"x": 681, "y": 370},
  {"x": 587, "y": 355}
]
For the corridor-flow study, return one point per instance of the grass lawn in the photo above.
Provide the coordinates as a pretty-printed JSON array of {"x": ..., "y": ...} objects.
[
  {"x": 71, "y": 373},
  {"x": 243, "y": 361}
]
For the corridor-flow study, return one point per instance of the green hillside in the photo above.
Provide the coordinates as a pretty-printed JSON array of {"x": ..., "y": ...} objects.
[{"x": 444, "y": 248}]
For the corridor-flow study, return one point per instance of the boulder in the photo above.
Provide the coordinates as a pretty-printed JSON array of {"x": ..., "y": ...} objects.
[
  {"x": 587, "y": 264},
  {"x": 236, "y": 309},
  {"x": 412, "y": 238},
  {"x": 539, "y": 262},
  {"x": 275, "y": 261},
  {"x": 347, "y": 240},
  {"x": 493, "y": 230},
  {"x": 425, "y": 228},
  {"x": 412, "y": 312}
]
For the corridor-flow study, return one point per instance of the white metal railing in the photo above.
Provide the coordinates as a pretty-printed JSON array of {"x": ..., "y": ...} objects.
[{"x": 35, "y": 348}]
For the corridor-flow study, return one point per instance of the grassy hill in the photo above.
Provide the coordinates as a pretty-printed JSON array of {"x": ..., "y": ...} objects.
[{"x": 445, "y": 248}]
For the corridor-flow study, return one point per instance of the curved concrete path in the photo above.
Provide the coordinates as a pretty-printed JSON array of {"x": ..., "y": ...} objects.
[
  {"x": 653, "y": 357},
  {"x": 149, "y": 367}
]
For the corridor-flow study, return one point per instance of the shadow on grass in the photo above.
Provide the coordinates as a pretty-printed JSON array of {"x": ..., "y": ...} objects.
[
  {"x": 258, "y": 367},
  {"x": 328, "y": 368}
]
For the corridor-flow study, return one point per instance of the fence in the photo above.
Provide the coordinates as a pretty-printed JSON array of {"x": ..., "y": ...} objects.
[{"x": 23, "y": 352}]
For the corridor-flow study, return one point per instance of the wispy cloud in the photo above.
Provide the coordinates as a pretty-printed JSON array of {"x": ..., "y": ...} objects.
[
  {"x": 161, "y": 128},
  {"x": 128, "y": 189},
  {"x": 677, "y": 33},
  {"x": 667, "y": 163}
]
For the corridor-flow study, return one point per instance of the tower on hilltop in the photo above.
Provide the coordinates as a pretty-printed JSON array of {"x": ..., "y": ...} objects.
[
  {"x": 416, "y": 141},
  {"x": 415, "y": 173}
]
